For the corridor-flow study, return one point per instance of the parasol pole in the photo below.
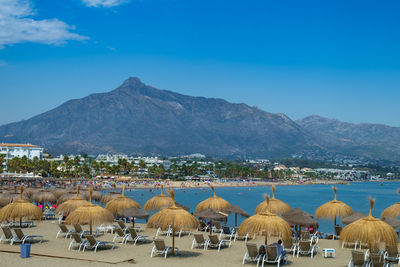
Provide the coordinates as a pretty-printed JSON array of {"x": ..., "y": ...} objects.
[
  {"x": 20, "y": 197},
  {"x": 235, "y": 219},
  {"x": 334, "y": 226},
  {"x": 90, "y": 201}
]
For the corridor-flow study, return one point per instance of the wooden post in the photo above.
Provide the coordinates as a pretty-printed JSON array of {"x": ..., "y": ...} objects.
[
  {"x": 90, "y": 226},
  {"x": 211, "y": 225},
  {"x": 133, "y": 221},
  {"x": 235, "y": 219},
  {"x": 266, "y": 239},
  {"x": 173, "y": 241}
]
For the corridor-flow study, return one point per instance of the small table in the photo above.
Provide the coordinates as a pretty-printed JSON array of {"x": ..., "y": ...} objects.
[{"x": 328, "y": 252}]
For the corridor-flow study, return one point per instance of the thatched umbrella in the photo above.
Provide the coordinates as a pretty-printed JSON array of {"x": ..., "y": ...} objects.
[
  {"x": 20, "y": 209},
  {"x": 215, "y": 202},
  {"x": 121, "y": 202},
  {"x": 395, "y": 223},
  {"x": 352, "y": 218},
  {"x": 89, "y": 214},
  {"x": 333, "y": 209},
  {"x": 212, "y": 215},
  {"x": 43, "y": 196},
  {"x": 300, "y": 218},
  {"x": 265, "y": 223},
  {"x": 158, "y": 202},
  {"x": 58, "y": 192},
  {"x": 109, "y": 196},
  {"x": 70, "y": 195},
  {"x": 72, "y": 204},
  {"x": 237, "y": 210},
  {"x": 275, "y": 205},
  {"x": 28, "y": 194},
  {"x": 174, "y": 217},
  {"x": 96, "y": 195},
  {"x": 133, "y": 212},
  {"x": 4, "y": 199},
  {"x": 392, "y": 211},
  {"x": 369, "y": 230}
]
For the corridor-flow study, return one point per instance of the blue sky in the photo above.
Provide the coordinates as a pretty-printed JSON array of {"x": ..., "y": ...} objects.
[{"x": 339, "y": 59}]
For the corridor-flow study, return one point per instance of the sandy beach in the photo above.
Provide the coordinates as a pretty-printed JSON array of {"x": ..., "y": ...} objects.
[{"x": 54, "y": 252}]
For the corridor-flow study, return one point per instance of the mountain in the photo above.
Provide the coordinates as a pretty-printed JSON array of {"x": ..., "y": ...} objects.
[
  {"x": 371, "y": 141},
  {"x": 138, "y": 118}
]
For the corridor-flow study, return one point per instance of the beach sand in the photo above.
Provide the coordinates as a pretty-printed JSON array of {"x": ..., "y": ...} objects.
[{"x": 54, "y": 252}]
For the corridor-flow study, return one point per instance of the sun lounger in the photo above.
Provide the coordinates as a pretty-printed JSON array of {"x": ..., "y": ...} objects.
[
  {"x": 215, "y": 242},
  {"x": 227, "y": 233},
  {"x": 80, "y": 231},
  {"x": 338, "y": 230},
  {"x": 21, "y": 238},
  {"x": 64, "y": 230},
  {"x": 251, "y": 254},
  {"x": 132, "y": 236},
  {"x": 167, "y": 233},
  {"x": 7, "y": 234},
  {"x": 358, "y": 258},
  {"x": 306, "y": 248},
  {"x": 290, "y": 247},
  {"x": 199, "y": 241},
  {"x": 94, "y": 244},
  {"x": 238, "y": 237},
  {"x": 106, "y": 228},
  {"x": 346, "y": 243},
  {"x": 377, "y": 260},
  {"x": 217, "y": 228},
  {"x": 160, "y": 248},
  {"x": 203, "y": 226},
  {"x": 76, "y": 240},
  {"x": 122, "y": 225},
  {"x": 272, "y": 256},
  {"x": 391, "y": 255},
  {"x": 119, "y": 235}
]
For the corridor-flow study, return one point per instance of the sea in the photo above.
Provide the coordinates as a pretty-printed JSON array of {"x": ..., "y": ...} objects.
[{"x": 305, "y": 197}]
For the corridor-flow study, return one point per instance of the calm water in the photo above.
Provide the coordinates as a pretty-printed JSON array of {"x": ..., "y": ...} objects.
[{"x": 305, "y": 197}]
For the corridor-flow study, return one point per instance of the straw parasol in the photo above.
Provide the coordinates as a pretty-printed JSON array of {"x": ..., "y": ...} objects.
[
  {"x": 20, "y": 209},
  {"x": 96, "y": 195},
  {"x": 265, "y": 223},
  {"x": 133, "y": 212},
  {"x": 212, "y": 215},
  {"x": 395, "y": 223},
  {"x": 158, "y": 202},
  {"x": 58, "y": 192},
  {"x": 44, "y": 196},
  {"x": 333, "y": 209},
  {"x": 275, "y": 205},
  {"x": 4, "y": 200},
  {"x": 392, "y": 211},
  {"x": 174, "y": 217},
  {"x": 237, "y": 210},
  {"x": 369, "y": 230},
  {"x": 72, "y": 204},
  {"x": 215, "y": 202},
  {"x": 109, "y": 196},
  {"x": 354, "y": 217},
  {"x": 28, "y": 194},
  {"x": 121, "y": 202},
  {"x": 89, "y": 214},
  {"x": 299, "y": 217}
]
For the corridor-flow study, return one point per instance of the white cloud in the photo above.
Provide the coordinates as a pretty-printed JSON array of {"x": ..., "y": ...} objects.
[
  {"x": 103, "y": 3},
  {"x": 18, "y": 26}
]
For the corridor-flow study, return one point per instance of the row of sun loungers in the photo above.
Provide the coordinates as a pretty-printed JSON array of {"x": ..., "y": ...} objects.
[
  {"x": 88, "y": 242},
  {"x": 213, "y": 241},
  {"x": 390, "y": 257},
  {"x": 19, "y": 236}
]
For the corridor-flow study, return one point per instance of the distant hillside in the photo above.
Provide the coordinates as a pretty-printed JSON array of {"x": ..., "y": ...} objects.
[
  {"x": 373, "y": 141},
  {"x": 137, "y": 118}
]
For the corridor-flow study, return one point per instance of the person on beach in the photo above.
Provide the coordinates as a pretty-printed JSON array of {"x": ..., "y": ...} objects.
[
  {"x": 281, "y": 251},
  {"x": 262, "y": 251}
]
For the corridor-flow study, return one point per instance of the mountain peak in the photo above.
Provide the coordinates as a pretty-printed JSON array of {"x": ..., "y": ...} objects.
[{"x": 133, "y": 82}]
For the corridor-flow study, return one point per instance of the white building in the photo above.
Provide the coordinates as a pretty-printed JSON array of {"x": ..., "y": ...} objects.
[{"x": 19, "y": 150}]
